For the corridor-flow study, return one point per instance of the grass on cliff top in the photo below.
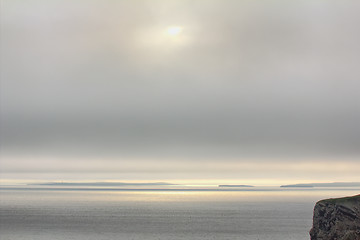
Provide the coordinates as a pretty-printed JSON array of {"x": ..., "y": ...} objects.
[{"x": 342, "y": 200}]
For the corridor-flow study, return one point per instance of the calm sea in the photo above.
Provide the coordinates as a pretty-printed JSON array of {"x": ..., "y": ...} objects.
[{"x": 270, "y": 214}]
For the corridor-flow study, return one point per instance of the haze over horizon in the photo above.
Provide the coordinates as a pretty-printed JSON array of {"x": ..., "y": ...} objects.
[{"x": 182, "y": 91}]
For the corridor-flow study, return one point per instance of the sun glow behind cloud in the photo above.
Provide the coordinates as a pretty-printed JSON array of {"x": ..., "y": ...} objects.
[
  {"x": 160, "y": 39},
  {"x": 174, "y": 31}
]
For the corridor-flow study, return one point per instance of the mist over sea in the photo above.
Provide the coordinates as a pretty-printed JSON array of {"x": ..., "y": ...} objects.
[{"x": 259, "y": 214}]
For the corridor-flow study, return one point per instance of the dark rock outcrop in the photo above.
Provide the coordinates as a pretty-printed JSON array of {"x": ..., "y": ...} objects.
[{"x": 337, "y": 219}]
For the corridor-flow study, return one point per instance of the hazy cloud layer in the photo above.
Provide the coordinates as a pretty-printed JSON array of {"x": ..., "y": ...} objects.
[{"x": 245, "y": 79}]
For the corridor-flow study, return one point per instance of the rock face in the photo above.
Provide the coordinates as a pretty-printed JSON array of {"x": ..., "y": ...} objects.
[{"x": 337, "y": 219}]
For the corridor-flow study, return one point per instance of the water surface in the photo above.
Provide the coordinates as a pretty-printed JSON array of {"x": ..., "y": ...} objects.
[{"x": 274, "y": 214}]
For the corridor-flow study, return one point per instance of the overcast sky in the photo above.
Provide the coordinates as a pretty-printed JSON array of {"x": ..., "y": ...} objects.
[{"x": 248, "y": 90}]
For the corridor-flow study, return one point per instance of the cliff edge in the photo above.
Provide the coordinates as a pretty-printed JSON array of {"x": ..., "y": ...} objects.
[{"x": 337, "y": 219}]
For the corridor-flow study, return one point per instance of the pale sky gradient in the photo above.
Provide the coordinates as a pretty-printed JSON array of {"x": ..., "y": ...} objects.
[{"x": 250, "y": 91}]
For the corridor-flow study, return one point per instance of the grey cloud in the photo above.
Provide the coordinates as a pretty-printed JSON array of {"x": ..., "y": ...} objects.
[{"x": 256, "y": 79}]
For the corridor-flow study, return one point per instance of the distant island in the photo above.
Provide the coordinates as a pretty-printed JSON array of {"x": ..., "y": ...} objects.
[
  {"x": 334, "y": 184},
  {"x": 103, "y": 184},
  {"x": 300, "y": 185},
  {"x": 235, "y": 186}
]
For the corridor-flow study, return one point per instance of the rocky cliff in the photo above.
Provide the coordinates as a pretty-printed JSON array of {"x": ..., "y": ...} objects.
[{"x": 337, "y": 219}]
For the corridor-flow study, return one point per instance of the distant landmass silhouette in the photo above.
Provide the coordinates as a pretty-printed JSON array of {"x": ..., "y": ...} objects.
[
  {"x": 334, "y": 184},
  {"x": 104, "y": 184},
  {"x": 235, "y": 186}
]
